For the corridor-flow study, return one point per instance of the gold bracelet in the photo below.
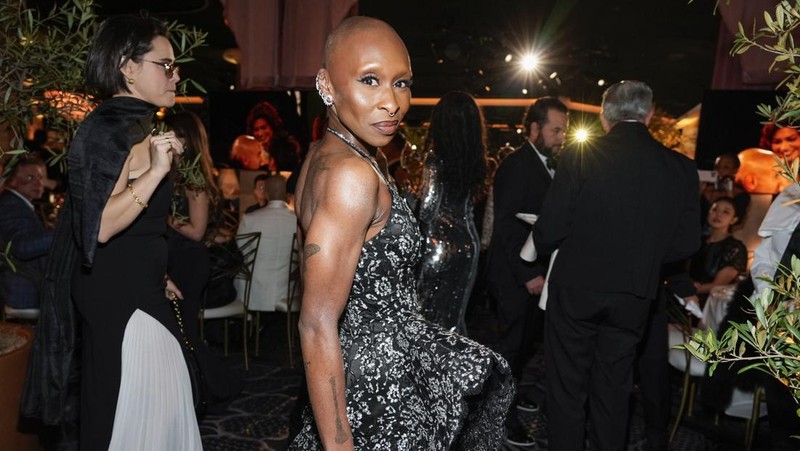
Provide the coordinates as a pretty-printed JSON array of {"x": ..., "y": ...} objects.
[{"x": 135, "y": 197}]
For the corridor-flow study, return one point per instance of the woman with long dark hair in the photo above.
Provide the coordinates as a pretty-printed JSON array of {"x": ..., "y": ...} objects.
[
  {"x": 194, "y": 197},
  {"x": 281, "y": 149},
  {"x": 453, "y": 177},
  {"x": 194, "y": 207}
]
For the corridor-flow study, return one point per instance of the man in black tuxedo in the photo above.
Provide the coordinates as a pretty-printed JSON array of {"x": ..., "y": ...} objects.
[
  {"x": 617, "y": 210},
  {"x": 23, "y": 228},
  {"x": 520, "y": 184}
]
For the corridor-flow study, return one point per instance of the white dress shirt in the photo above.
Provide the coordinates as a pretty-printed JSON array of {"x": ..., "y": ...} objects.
[
  {"x": 544, "y": 159},
  {"x": 775, "y": 231},
  {"x": 277, "y": 224}
]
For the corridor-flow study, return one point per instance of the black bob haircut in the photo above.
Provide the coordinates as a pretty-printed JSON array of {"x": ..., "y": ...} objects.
[{"x": 118, "y": 40}]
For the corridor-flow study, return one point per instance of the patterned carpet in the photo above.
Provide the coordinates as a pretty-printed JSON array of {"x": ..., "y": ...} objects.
[{"x": 259, "y": 418}]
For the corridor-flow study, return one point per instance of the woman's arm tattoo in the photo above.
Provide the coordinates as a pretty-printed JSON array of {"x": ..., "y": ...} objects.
[
  {"x": 341, "y": 436},
  {"x": 309, "y": 250}
]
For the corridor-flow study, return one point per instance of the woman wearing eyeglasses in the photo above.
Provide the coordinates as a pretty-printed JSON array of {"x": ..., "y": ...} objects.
[{"x": 109, "y": 260}]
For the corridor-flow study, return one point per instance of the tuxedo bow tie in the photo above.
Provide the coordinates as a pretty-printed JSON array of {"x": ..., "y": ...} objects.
[{"x": 550, "y": 163}]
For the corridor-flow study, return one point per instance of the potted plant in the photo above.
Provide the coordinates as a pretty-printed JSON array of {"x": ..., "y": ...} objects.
[{"x": 15, "y": 346}]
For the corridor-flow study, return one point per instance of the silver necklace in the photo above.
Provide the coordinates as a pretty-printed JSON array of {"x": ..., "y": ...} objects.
[{"x": 350, "y": 143}]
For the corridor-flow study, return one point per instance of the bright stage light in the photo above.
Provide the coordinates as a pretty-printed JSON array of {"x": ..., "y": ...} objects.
[
  {"x": 601, "y": 82},
  {"x": 509, "y": 57},
  {"x": 529, "y": 62}
]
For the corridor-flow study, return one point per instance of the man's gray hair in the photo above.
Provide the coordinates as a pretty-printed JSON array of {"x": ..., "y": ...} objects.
[{"x": 628, "y": 100}]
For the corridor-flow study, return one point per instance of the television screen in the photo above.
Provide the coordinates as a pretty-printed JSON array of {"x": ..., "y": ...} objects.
[{"x": 256, "y": 130}]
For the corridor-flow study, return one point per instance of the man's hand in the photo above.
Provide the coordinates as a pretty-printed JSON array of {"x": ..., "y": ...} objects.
[{"x": 535, "y": 285}]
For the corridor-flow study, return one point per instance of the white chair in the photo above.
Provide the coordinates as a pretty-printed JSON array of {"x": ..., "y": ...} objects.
[
  {"x": 285, "y": 300},
  {"x": 29, "y": 314},
  {"x": 248, "y": 246},
  {"x": 293, "y": 297}
]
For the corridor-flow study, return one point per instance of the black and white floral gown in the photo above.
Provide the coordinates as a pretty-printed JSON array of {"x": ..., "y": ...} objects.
[{"x": 410, "y": 384}]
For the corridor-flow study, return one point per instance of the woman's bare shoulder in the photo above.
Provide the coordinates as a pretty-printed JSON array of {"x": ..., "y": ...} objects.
[{"x": 338, "y": 178}]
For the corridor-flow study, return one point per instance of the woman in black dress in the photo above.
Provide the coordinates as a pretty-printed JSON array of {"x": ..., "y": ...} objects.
[
  {"x": 110, "y": 257},
  {"x": 379, "y": 375},
  {"x": 721, "y": 259}
]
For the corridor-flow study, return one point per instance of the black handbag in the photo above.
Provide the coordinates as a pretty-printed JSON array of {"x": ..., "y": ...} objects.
[{"x": 199, "y": 391}]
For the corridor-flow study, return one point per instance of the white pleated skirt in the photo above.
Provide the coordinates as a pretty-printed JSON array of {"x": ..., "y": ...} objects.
[{"x": 155, "y": 410}]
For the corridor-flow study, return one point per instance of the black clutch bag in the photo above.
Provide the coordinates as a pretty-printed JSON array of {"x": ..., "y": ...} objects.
[{"x": 199, "y": 392}]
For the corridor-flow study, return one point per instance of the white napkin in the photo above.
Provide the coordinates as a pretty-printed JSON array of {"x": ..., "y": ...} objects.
[
  {"x": 528, "y": 251},
  {"x": 545, "y": 291},
  {"x": 690, "y": 307},
  {"x": 530, "y": 218}
]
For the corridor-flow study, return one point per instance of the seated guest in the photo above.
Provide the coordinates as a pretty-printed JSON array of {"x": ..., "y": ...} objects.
[
  {"x": 260, "y": 193},
  {"x": 726, "y": 166},
  {"x": 760, "y": 176},
  {"x": 721, "y": 259},
  {"x": 247, "y": 153},
  {"x": 23, "y": 228},
  {"x": 277, "y": 224},
  {"x": 759, "y": 172}
]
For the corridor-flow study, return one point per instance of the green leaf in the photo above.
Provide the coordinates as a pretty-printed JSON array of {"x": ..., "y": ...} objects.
[
  {"x": 198, "y": 86},
  {"x": 759, "y": 307}
]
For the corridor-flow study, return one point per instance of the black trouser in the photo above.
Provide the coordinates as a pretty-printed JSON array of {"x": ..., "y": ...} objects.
[
  {"x": 516, "y": 313},
  {"x": 653, "y": 370},
  {"x": 590, "y": 341}
]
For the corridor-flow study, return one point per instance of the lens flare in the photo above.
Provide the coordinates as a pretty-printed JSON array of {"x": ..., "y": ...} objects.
[{"x": 581, "y": 135}]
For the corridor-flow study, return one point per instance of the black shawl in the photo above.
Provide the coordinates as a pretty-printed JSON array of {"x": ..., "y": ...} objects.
[{"x": 95, "y": 160}]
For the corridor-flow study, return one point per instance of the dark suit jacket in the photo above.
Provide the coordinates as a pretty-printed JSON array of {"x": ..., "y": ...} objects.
[
  {"x": 520, "y": 184},
  {"x": 617, "y": 210},
  {"x": 30, "y": 242}
]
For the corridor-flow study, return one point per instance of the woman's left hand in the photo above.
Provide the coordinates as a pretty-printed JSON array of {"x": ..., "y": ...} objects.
[
  {"x": 163, "y": 148},
  {"x": 171, "y": 291}
]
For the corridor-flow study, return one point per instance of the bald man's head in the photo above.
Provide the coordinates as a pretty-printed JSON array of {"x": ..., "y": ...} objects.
[
  {"x": 247, "y": 150},
  {"x": 349, "y": 27},
  {"x": 276, "y": 187},
  {"x": 759, "y": 172}
]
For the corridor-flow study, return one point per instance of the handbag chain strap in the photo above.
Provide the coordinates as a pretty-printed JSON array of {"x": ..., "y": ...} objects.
[{"x": 177, "y": 309}]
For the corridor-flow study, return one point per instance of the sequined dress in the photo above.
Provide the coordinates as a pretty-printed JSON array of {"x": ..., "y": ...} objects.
[
  {"x": 410, "y": 384},
  {"x": 450, "y": 252}
]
